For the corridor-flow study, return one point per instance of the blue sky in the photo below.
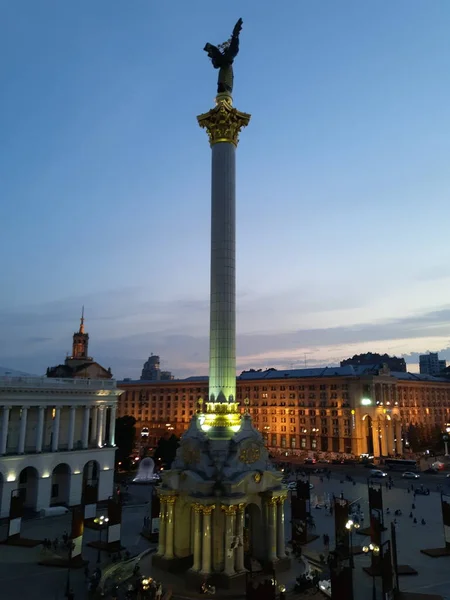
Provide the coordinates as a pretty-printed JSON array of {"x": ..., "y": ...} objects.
[{"x": 343, "y": 180}]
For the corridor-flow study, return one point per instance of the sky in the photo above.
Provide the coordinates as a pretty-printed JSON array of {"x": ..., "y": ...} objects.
[{"x": 342, "y": 180}]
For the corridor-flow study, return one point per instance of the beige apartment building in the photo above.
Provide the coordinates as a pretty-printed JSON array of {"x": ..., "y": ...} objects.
[{"x": 347, "y": 410}]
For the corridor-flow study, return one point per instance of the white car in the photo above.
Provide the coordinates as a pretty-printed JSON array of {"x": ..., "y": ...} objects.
[
  {"x": 410, "y": 475},
  {"x": 377, "y": 473}
]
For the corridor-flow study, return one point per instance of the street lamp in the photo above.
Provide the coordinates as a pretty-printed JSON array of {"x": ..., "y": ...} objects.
[
  {"x": 447, "y": 429},
  {"x": 350, "y": 526},
  {"x": 374, "y": 550},
  {"x": 101, "y": 521}
]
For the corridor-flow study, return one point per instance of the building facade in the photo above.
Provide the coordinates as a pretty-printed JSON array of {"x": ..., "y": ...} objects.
[
  {"x": 430, "y": 364},
  {"x": 353, "y": 410},
  {"x": 56, "y": 436}
]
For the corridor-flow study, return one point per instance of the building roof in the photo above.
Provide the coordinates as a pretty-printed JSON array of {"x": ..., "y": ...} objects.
[{"x": 321, "y": 372}]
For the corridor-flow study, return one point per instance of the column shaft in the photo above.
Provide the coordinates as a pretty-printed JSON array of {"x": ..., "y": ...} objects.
[
  {"x": 71, "y": 432},
  {"x": 281, "y": 543},
  {"x": 230, "y": 539},
  {"x": 222, "y": 352},
  {"x": 239, "y": 565},
  {"x": 85, "y": 437},
  {"x": 169, "y": 528},
  {"x": 112, "y": 426},
  {"x": 272, "y": 530},
  {"x": 5, "y": 427},
  {"x": 23, "y": 430},
  {"x": 162, "y": 529},
  {"x": 40, "y": 428},
  {"x": 55, "y": 432},
  {"x": 206, "y": 539},
  {"x": 101, "y": 426},
  {"x": 197, "y": 538}
]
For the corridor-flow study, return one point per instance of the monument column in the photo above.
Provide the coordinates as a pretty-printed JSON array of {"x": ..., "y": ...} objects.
[
  {"x": 162, "y": 527},
  {"x": 223, "y": 125},
  {"x": 272, "y": 529},
  {"x": 230, "y": 539},
  {"x": 197, "y": 537},
  {"x": 239, "y": 564},
  {"x": 206, "y": 542},
  {"x": 281, "y": 543},
  {"x": 169, "y": 527}
]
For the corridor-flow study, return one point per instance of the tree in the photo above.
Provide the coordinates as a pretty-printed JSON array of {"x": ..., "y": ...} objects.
[
  {"x": 166, "y": 450},
  {"x": 125, "y": 438}
]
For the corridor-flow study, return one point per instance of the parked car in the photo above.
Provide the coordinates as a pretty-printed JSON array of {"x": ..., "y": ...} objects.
[
  {"x": 410, "y": 475},
  {"x": 310, "y": 461},
  {"x": 377, "y": 473}
]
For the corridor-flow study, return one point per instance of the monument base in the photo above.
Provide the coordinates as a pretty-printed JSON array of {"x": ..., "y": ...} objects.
[
  {"x": 106, "y": 547},
  {"x": 172, "y": 565},
  {"x": 236, "y": 582}
]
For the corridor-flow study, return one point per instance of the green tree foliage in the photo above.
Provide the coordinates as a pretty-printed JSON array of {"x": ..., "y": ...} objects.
[
  {"x": 165, "y": 451},
  {"x": 125, "y": 439}
]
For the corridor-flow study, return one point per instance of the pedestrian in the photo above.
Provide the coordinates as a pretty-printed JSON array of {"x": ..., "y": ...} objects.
[
  {"x": 415, "y": 521},
  {"x": 413, "y": 507},
  {"x": 423, "y": 522}
]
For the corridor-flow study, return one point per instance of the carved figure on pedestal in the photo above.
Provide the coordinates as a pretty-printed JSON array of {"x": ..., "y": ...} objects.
[{"x": 222, "y": 58}]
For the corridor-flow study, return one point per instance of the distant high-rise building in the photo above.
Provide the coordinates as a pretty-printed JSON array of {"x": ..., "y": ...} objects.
[
  {"x": 363, "y": 360},
  {"x": 429, "y": 364},
  {"x": 152, "y": 371}
]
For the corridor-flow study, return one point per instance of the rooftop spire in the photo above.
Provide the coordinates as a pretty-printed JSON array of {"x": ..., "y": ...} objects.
[{"x": 82, "y": 320}]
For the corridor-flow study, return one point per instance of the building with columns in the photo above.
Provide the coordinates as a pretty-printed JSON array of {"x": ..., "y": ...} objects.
[
  {"x": 56, "y": 436},
  {"x": 347, "y": 409}
]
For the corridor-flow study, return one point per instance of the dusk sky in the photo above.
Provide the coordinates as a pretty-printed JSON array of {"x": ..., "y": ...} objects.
[{"x": 343, "y": 180}]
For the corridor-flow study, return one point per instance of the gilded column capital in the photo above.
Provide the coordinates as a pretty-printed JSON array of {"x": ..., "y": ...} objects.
[
  {"x": 207, "y": 510},
  {"x": 169, "y": 499},
  {"x": 223, "y": 123},
  {"x": 241, "y": 507},
  {"x": 229, "y": 510},
  {"x": 272, "y": 501},
  {"x": 281, "y": 499},
  {"x": 197, "y": 508}
]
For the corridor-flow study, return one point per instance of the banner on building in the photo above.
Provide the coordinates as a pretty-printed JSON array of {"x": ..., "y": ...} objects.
[
  {"x": 445, "y": 504},
  {"x": 299, "y": 517},
  {"x": 387, "y": 579},
  {"x": 375, "y": 497},
  {"x": 154, "y": 512},
  {"x": 394, "y": 558},
  {"x": 341, "y": 578},
  {"x": 15, "y": 514},
  {"x": 90, "y": 496},
  {"x": 342, "y": 534},
  {"x": 77, "y": 531},
  {"x": 375, "y": 537},
  {"x": 115, "y": 520}
]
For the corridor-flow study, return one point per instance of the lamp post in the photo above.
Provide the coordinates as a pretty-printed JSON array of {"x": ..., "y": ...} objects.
[
  {"x": 350, "y": 526},
  {"x": 71, "y": 547},
  {"x": 374, "y": 550},
  {"x": 101, "y": 522},
  {"x": 447, "y": 429}
]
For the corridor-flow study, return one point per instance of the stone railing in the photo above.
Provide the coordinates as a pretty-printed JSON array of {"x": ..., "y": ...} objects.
[{"x": 56, "y": 383}]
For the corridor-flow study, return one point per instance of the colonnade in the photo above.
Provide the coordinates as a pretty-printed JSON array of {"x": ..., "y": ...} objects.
[
  {"x": 231, "y": 535},
  {"x": 386, "y": 437},
  {"x": 98, "y": 429}
]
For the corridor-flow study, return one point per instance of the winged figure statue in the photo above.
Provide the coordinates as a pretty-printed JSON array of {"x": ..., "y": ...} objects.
[{"x": 222, "y": 58}]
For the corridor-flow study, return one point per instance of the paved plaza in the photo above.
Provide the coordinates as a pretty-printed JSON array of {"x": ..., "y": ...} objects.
[{"x": 21, "y": 576}]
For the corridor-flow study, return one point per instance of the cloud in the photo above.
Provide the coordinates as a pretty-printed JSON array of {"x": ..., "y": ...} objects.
[{"x": 125, "y": 327}]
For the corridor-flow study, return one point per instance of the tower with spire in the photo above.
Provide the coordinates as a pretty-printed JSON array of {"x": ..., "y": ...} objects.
[
  {"x": 80, "y": 342},
  {"x": 79, "y": 364}
]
